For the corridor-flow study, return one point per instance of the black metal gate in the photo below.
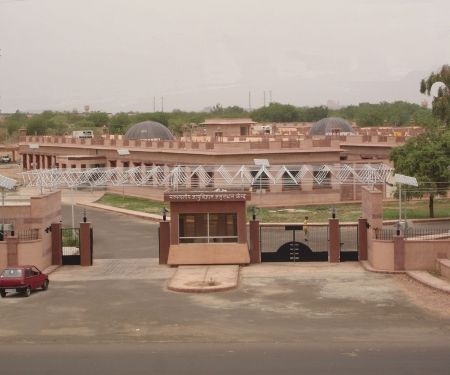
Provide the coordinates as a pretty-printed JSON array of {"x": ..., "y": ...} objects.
[
  {"x": 70, "y": 246},
  {"x": 292, "y": 243},
  {"x": 349, "y": 242}
]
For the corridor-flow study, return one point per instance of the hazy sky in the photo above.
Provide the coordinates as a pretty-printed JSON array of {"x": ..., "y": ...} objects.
[{"x": 117, "y": 55}]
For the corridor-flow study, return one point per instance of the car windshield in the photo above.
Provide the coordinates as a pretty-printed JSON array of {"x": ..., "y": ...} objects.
[{"x": 11, "y": 272}]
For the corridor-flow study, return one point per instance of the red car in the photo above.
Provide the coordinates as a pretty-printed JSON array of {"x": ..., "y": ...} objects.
[{"x": 22, "y": 279}]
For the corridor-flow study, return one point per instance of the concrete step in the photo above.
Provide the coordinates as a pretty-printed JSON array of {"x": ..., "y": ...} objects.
[{"x": 443, "y": 267}]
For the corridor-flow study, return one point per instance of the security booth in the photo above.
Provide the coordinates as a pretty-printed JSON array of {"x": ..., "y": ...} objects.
[{"x": 206, "y": 227}]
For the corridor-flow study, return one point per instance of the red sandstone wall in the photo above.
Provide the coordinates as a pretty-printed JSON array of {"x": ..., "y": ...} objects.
[
  {"x": 3, "y": 256},
  {"x": 422, "y": 255},
  {"x": 34, "y": 252},
  {"x": 381, "y": 255}
]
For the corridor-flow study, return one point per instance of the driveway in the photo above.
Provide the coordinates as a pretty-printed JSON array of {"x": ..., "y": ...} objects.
[
  {"x": 318, "y": 304},
  {"x": 116, "y": 235}
]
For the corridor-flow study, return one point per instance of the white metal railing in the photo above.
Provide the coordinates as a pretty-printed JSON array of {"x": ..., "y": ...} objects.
[{"x": 216, "y": 176}]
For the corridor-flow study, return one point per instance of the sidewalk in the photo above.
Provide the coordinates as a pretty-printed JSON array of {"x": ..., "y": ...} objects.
[{"x": 425, "y": 278}]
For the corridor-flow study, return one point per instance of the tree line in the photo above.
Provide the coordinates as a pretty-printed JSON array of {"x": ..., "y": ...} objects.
[{"x": 365, "y": 114}]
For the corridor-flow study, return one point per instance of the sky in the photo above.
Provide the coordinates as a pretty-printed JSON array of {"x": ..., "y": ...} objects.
[{"x": 126, "y": 55}]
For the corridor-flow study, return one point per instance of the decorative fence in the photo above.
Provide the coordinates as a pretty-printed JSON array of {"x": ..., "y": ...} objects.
[{"x": 420, "y": 233}]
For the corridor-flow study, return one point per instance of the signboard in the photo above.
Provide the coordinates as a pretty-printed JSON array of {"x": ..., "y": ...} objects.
[
  {"x": 405, "y": 180},
  {"x": 293, "y": 227},
  {"x": 205, "y": 196},
  {"x": 261, "y": 162}
]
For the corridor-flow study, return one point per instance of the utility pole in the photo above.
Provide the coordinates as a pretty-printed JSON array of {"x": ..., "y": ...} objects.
[
  {"x": 249, "y": 101},
  {"x": 162, "y": 103},
  {"x": 270, "y": 97},
  {"x": 154, "y": 104},
  {"x": 264, "y": 98}
]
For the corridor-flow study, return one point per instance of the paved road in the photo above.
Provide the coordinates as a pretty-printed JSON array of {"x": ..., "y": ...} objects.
[
  {"x": 116, "y": 235},
  {"x": 239, "y": 359}
]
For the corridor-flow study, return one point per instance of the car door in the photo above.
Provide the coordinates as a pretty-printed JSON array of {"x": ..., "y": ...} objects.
[
  {"x": 29, "y": 277},
  {"x": 37, "y": 277}
]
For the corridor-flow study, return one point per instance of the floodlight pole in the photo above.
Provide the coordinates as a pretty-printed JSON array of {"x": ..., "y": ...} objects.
[
  {"x": 73, "y": 215},
  {"x": 3, "y": 213},
  {"x": 400, "y": 203}
]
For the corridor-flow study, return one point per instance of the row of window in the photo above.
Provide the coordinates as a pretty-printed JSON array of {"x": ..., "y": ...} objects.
[{"x": 208, "y": 227}]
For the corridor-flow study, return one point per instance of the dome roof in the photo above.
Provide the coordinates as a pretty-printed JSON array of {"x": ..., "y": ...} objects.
[
  {"x": 326, "y": 126},
  {"x": 148, "y": 130}
]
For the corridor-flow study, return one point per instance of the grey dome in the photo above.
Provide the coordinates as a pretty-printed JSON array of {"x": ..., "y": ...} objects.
[
  {"x": 326, "y": 125},
  {"x": 148, "y": 130}
]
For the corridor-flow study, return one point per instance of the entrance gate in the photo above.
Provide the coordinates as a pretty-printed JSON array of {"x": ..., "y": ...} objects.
[
  {"x": 70, "y": 246},
  {"x": 349, "y": 242},
  {"x": 290, "y": 243}
]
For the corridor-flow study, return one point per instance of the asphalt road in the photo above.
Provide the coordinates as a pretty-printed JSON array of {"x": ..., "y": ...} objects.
[{"x": 195, "y": 359}]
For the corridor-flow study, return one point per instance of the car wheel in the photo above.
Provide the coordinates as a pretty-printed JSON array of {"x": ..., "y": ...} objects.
[
  {"x": 2, "y": 293},
  {"x": 28, "y": 291},
  {"x": 45, "y": 285}
]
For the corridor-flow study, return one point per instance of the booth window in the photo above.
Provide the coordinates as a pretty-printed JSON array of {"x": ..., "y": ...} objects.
[{"x": 208, "y": 228}]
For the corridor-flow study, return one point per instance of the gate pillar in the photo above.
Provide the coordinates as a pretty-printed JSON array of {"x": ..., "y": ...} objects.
[
  {"x": 255, "y": 251},
  {"x": 334, "y": 244},
  {"x": 56, "y": 244},
  {"x": 11, "y": 248},
  {"x": 399, "y": 253},
  {"x": 164, "y": 241},
  {"x": 85, "y": 244},
  {"x": 362, "y": 239}
]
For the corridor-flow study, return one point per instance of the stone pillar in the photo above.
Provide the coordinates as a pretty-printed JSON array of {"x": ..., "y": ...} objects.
[
  {"x": 22, "y": 134},
  {"x": 399, "y": 253},
  {"x": 362, "y": 239},
  {"x": 85, "y": 244},
  {"x": 255, "y": 251},
  {"x": 11, "y": 248},
  {"x": 25, "y": 161},
  {"x": 31, "y": 164},
  {"x": 56, "y": 244},
  {"x": 372, "y": 206},
  {"x": 334, "y": 250},
  {"x": 164, "y": 241}
]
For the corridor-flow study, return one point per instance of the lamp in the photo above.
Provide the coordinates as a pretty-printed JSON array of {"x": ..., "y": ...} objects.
[
  {"x": 84, "y": 216},
  {"x": 254, "y": 213},
  {"x": 164, "y": 213},
  {"x": 333, "y": 213}
]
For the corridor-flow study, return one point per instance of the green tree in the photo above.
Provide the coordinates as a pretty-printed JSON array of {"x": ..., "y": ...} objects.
[
  {"x": 369, "y": 115},
  {"x": 15, "y": 121},
  {"x": 441, "y": 102},
  {"x": 425, "y": 157},
  {"x": 276, "y": 112},
  {"x": 37, "y": 125},
  {"x": 98, "y": 118},
  {"x": 118, "y": 123}
]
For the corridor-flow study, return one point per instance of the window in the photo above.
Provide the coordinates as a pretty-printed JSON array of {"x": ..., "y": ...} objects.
[
  {"x": 289, "y": 183},
  {"x": 322, "y": 179},
  {"x": 244, "y": 130},
  {"x": 261, "y": 183},
  {"x": 208, "y": 227}
]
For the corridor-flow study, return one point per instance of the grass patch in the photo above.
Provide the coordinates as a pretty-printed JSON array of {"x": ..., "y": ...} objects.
[
  {"x": 296, "y": 214},
  {"x": 132, "y": 203}
]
